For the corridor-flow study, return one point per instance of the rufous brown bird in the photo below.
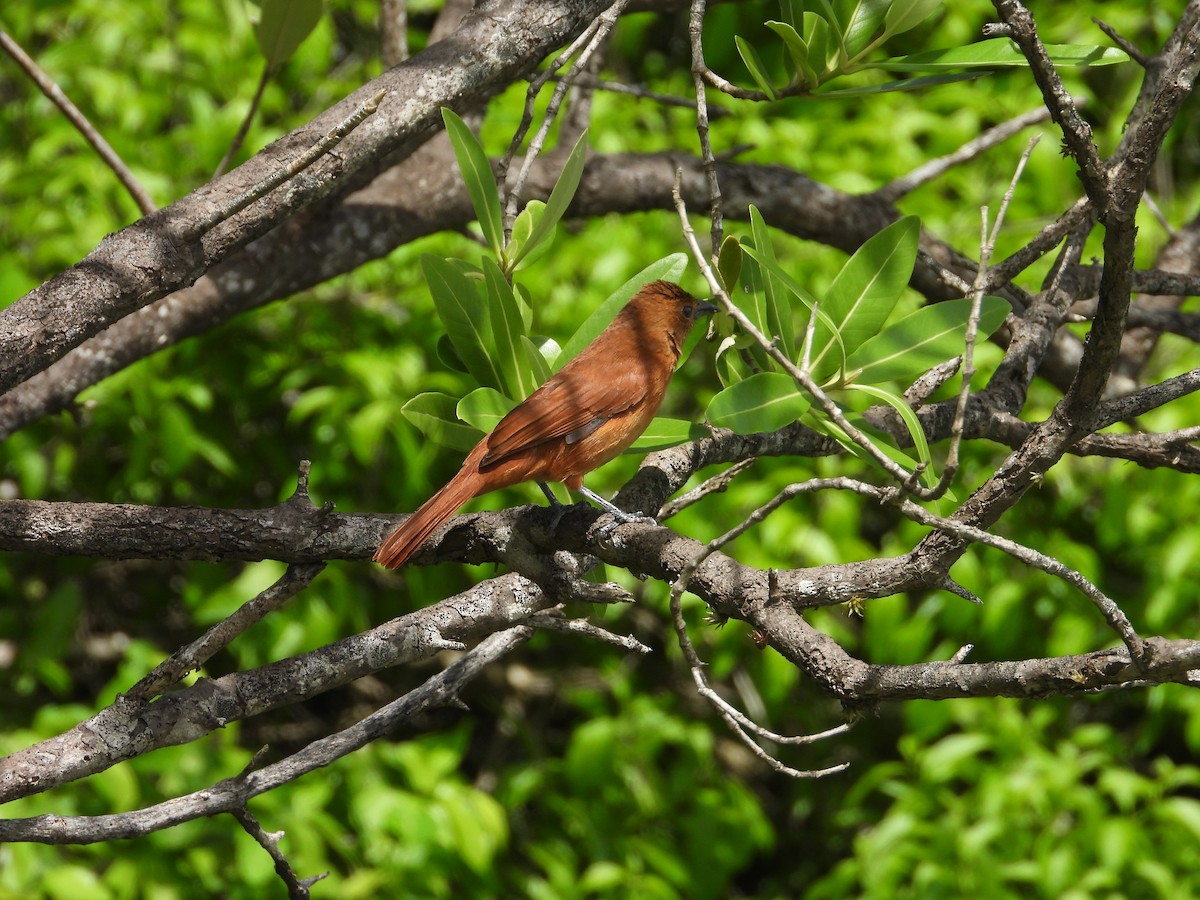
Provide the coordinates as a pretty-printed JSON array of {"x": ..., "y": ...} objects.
[{"x": 587, "y": 413}]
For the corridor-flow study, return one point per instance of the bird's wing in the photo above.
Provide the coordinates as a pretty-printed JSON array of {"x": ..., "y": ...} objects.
[{"x": 564, "y": 407}]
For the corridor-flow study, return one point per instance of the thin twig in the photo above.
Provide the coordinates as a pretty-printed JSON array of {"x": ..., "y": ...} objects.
[
  {"x": 962, "y": 653},
  {"x": 715, "y": 485},
  {"x": 1128, "y": 46},
  {"x": 56, "y": 96},
  {"x": 585, "y": 80},
  {"x": 1159, "y": 215},
  {"x": 393, "y": 32},
  {"x": 741, "y": 725},
  {"x": 1077, "y": 133},
  {"x": 900, "y": 187},
  {"x": 739, "y": 93},
  {"x": 1080, "y": 212},
  {"x": 1112, "y": 613},
  {"x": 923, "y": 388},
  {"x": 986, "y": 248},
  {"x": 587, "y": 629},
  {"x": 240, "y": 138},
  {"x": 199, "y": 651},
  {"x": 590, "y": 41},
  {"x": 231, "y": 208},
  {"x": 233, "y": 793},
  {"x": 696, "y": 39},
  {"x": 297, "y": 888}
]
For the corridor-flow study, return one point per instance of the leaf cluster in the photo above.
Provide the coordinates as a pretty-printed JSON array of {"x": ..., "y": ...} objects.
[{"x": 831, "y": 39}]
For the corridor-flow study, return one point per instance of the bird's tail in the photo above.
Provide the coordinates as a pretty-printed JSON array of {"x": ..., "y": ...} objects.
[{"x": 399, "y": 546}]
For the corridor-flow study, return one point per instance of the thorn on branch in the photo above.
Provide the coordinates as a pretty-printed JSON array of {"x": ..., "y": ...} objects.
[
  {"x": 949, "y": 584},
  {"x": 301, "y": 492},
  {"x": 254, "y": 762}
]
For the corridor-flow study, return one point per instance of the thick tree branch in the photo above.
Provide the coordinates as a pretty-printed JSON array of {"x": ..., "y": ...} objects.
[
  {"x": 1116, "y": 195},
  {"x": 130, "y": 727},
  {"x": 424, "y": 195},
  {"x": 233, "y": 793},
  {"x": 497, "y": 44}
]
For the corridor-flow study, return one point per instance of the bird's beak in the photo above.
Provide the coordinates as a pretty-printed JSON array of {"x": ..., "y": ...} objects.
[{"x": 704, "y": 308}]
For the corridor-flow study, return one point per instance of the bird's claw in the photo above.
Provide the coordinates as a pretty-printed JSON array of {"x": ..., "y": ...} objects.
[{"x": 623, "y": 519}]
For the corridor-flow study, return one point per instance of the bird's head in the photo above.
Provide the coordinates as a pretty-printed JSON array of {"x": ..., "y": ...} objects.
[{"x": 663, "y": 307}]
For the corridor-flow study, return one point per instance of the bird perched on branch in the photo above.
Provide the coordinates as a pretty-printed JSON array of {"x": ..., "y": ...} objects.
[{"x": 589, "y": 412}]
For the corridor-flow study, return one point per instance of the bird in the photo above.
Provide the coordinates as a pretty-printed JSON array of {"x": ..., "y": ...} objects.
[{"x": 584, "y": 415}]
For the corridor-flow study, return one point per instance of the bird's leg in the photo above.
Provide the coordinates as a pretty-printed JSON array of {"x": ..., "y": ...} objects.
[
  {"x": 622, "y": 517},
  {"x": 555, "y": 504}
]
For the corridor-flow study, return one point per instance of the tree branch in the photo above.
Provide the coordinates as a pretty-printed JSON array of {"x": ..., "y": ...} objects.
[
  {"x": 148, "y": 260},
  {"x": 232, "y": 793},
  {"x": 130, "y": 728}
]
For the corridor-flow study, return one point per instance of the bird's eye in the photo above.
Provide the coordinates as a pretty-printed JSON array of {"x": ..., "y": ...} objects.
[{"x": 687, "y": 311}]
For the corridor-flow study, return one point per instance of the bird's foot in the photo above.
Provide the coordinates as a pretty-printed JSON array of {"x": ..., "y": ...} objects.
[{"x": 620, "y": 516}]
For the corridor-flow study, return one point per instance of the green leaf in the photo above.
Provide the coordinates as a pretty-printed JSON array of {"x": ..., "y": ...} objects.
[
  {"x": 560, "y": 197},
  {"x": 729, "y": 263},
  {"x": 479, "y": 178},
  {"x": 517, "y": 380},
  {"x": 910, "y": 347},
  {"x": 434, "y": 415},
  {"x": 448, "y": 356},
  {"x": 282, "y": 27},
  {"x": 483, "y": 408},
  {"x": 525, "y": 303},
  {"x": 763, "y": 402},
  {"x": 798, "y": 51},
  {"x": 907, "y": 84},
  {"x": 663, "y": 433},
  {"x": 834, "y": 24},
  {"x": 365, "y": 429},
  {"x": 695, "y": 336},
  {"x": 823, "y": 45},
  {"x": 464, "y": 316},
  {"x": 792, "y": 287},
  {"x": 904, "y": 15},
  {"x": 549, "y": 349},
  {"x": 669, "y": 267},
  {"x": 865, "y": 292},
  {"x": 911, "y": 422},
  {"x": 792, "y": 13},
  {"x": 999, "y": 53},
  {"x": 819, "y": 422},
  {"x": 731, "y": 367},
  {"x": 1183, "y": 812},
  {"x": 477, "y": 827},
  {"x": 860, "y": 21},
  {"x": 775, "y": 316},
  {"x": 732, "y": 338},
  {"x": 521, "y": 251},
  {"x": 754, "y": 64},
  {"x": 538, "y": 358}
]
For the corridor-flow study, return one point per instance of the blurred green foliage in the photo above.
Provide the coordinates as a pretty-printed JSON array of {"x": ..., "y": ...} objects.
[{"x": 578, "y": 772}]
